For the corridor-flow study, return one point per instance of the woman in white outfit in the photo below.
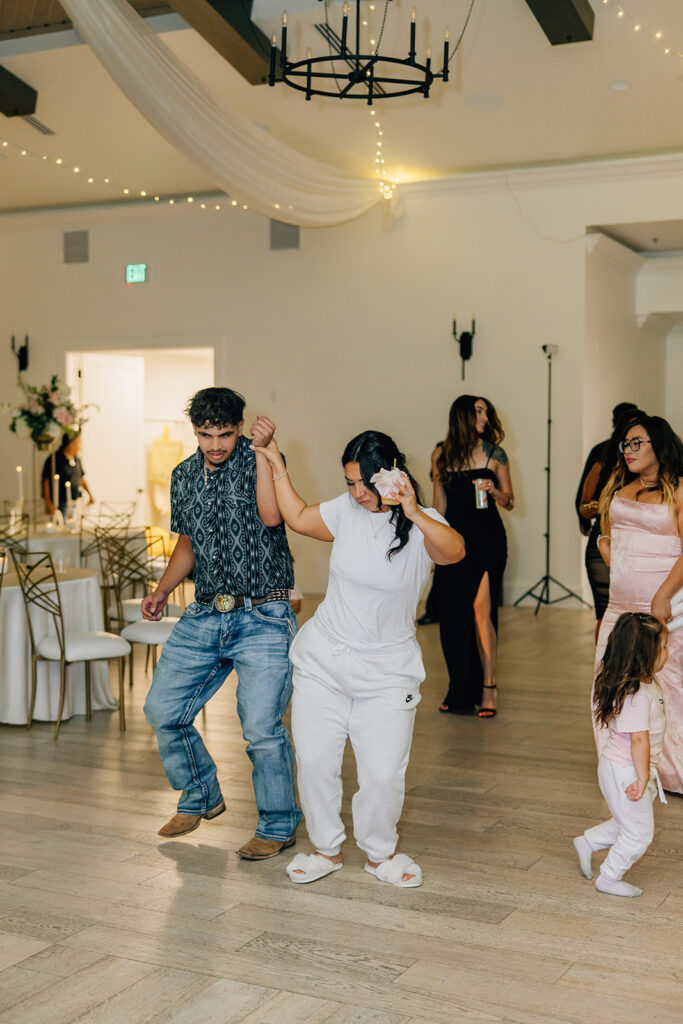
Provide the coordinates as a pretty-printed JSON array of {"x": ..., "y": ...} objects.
[{"x": 357, "y": 664}]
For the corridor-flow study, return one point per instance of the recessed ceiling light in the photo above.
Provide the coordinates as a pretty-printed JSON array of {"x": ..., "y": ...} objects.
[{"x": 620, "y": 85}]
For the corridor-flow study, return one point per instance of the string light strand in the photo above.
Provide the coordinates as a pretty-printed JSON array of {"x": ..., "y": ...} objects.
[
  {"x": 636, "y": 26},
  {"x": 124, "y": 193}
]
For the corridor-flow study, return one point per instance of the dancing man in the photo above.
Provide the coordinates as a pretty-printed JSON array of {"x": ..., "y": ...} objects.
[{"x": 233, "y": 541}]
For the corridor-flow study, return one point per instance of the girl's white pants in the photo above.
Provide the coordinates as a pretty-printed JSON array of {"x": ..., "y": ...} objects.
[
  {"x": 629, "y": 831},
  {"x": 369, "y": 698}
]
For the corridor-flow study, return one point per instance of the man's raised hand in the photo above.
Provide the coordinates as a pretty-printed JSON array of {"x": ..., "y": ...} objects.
[{"x": 262, "y": 430}]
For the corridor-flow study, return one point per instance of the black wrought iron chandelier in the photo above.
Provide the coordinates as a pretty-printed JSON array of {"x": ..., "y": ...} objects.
[{"x": 349, "y": 73}]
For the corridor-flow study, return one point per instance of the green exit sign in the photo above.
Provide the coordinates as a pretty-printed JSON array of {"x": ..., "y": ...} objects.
[{"x": 136, "y": 273}]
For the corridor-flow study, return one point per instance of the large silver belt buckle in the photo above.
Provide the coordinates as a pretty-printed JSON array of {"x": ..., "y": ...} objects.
[{"x": 224, "y": 602}]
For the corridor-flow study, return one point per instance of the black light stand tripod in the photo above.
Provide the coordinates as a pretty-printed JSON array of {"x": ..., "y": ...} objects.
[{"x": 543, "y": 595}]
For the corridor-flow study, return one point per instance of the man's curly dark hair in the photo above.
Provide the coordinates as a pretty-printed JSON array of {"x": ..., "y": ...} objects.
[{"x": 215, "y": 407}]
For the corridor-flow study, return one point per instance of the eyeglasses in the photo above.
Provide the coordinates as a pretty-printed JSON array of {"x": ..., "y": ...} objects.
[{"x": 634, "y": 444}]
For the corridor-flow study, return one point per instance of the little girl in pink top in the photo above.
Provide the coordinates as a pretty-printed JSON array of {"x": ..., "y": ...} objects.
[{"x": 629, "y": 702}]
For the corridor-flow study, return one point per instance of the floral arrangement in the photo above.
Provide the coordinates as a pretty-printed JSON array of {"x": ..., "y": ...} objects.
[{"x": 46, "y": 413}]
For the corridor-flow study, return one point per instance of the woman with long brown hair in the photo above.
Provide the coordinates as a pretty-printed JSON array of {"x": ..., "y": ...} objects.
[
  {"x": 471, "y": 481},
  {"x": 642, "y": 524}
]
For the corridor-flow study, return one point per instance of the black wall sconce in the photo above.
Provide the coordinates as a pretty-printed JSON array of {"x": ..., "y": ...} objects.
[
  {"x": 464, "y": 340},
  {"x": 21, "y": 353}
]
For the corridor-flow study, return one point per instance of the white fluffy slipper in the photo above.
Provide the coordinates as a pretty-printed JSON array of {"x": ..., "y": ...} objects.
[
  {"x": 393, "y": 870},
  {"x": 312, "y": 867}
]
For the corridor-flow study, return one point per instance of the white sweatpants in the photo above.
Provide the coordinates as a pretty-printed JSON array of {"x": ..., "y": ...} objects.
[
  {"x": 630, "y": 830},
  {"x": 369, "y": 698}
]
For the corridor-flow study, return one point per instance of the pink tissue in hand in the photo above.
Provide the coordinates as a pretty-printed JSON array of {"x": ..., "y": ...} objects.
[{"x": 387, "y": 482}]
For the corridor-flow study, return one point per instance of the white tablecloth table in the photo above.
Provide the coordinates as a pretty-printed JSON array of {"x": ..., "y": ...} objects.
[
  {"x": 65, "y": 548},
  {"x": 82, "y": 608}
]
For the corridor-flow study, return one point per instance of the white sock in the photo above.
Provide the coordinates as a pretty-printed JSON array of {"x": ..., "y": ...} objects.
[
  {"x": 614, "y": 888},
  {"x": 585, "y": 854}
]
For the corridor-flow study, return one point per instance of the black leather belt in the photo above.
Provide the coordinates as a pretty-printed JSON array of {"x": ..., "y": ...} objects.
[{"x": 226, "y": 602}]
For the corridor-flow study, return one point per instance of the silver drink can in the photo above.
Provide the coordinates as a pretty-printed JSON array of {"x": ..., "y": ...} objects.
[{"x": 481, "y": 498}]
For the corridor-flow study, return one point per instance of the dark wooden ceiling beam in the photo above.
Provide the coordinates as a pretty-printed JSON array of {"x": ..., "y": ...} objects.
[
  {"x": 25, "y": 18},
  {"x": 564, "y": 21},
  {"x": 17, "y": 99},
  {"x": 228, "y": 27}
]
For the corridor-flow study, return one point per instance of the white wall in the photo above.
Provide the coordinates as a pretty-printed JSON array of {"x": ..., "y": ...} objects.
[
  {"x": 674, "y": 380},
  {"x": 625, "y": 358},
  {"x": 354, "y": 329},
  {"x": 660, "y": 287}
]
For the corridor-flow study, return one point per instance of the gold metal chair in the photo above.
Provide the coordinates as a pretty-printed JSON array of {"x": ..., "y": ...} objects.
[
  {"x": 113, "y": 548},
  {"x": 130, "y": 564},
  {"x": 14, "y": 531},
  {"x": 118, "y": 508},
  {"x": 114, "y": 523},
  {"x": 40, "y": 590}
]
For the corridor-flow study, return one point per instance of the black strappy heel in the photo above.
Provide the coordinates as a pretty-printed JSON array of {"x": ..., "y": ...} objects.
[{"x": 487, "y": 712}]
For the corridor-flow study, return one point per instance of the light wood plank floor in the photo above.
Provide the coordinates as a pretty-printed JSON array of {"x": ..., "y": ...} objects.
[{"x": 102, "y": 922}]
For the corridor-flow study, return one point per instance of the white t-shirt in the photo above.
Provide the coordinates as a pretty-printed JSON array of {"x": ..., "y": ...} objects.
[
  {"x": 370, "y": 601},
  {"x": 643, "y": 711}
]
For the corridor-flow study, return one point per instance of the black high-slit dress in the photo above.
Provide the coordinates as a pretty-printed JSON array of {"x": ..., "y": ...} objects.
[{"x": 486, "y": 552}]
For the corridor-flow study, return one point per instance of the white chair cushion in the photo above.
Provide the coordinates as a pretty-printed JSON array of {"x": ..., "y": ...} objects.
[
  {"x": 146, "y": 632},
  {"x": 130, "y": 608},
  {"x": 91, "y": 646}
]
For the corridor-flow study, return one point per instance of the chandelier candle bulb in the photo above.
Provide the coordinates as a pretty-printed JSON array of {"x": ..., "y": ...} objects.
[
  {"x": 273, "y": 55},
  {"x": 345, "y": 25},
  {"x": 283, "y": 44},
  {"x": 55, "y": 491},
  {"x": 411, "y": 55},
  {"x": 20, "y": 484}
]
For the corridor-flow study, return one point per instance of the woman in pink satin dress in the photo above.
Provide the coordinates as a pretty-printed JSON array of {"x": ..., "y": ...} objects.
[{"x": 642, "y": 524}]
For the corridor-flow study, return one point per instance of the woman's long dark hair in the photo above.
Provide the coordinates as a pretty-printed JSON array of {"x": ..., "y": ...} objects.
[
  {"x": 630, "y": 658},
  {"x": 463, "y": 438},
  {"x": 668, "y": 449},
  {"x": 373, "y": 450}
]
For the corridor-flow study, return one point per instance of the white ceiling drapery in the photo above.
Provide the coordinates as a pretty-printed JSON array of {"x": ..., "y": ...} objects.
[{"x": 246, "y": 162}]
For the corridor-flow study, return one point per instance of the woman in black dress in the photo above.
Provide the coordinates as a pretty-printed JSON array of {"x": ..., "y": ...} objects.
[
  {"x": 602, "y": 460},
  {"x": 471, "y": 465}
]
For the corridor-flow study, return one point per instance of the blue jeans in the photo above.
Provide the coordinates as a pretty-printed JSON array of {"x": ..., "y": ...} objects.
[{"x": 202, "y": 650}]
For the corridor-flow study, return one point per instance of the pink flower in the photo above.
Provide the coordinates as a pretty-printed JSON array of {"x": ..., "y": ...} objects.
[
  {"x": 63, "y": 416},
  {"x": 387, "y": 482}
]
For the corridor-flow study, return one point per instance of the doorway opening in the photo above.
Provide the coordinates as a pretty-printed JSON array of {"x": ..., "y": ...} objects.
[{"x": 136, "y": 431}]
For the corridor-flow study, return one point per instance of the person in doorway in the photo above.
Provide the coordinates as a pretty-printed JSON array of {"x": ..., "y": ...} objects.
[
  {"x": 233, "y": 540},
  {"x": 357, "y": 664},
  {"x": 68, "y": 466},
  {"x": 600, "y": 463},
  {"x": 471, "y": 479},
  {"x": 597, "y": 454}
]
